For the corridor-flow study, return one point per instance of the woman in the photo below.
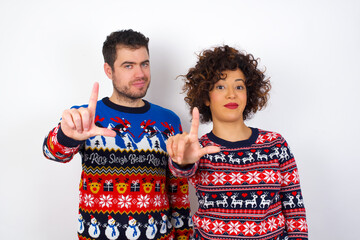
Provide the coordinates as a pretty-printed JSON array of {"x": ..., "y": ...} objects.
[{"x": 246, "y": 178}]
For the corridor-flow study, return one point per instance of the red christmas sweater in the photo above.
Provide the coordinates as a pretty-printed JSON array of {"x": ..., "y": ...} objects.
[
  {"x": 126, "y": 189},
  {"x": 249, "y": 190}
]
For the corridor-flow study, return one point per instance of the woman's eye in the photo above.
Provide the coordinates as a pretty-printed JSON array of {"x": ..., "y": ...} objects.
[{"x": 219, "y": 87}]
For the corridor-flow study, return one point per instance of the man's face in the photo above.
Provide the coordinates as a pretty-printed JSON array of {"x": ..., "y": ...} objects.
[{"x": 131, "y": 74}]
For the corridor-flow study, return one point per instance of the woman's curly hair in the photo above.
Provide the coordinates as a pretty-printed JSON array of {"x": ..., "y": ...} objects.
[{"x": 200, "y": 80}]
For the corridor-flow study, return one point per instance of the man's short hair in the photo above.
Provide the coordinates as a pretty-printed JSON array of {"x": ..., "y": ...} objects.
[{"x": 128, "y": 38}]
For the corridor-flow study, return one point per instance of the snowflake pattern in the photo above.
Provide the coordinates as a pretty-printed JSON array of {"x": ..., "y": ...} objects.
[
  {"x": 204, "y": 178},
  {"x": 249, "y": 229},
  {"x": 157, "y": 201},
  {"x": 196, "y": 221},
  {"x": 218, "y": 227},
  {"x": 143, "y": 201},
  {"x": 124, "y": 201},
  {"x": 89, "y": 200},
  {"x": 291, "y": 225},
  {"x": 173, "y": 199},
  {"x": 236, "y": 178},
  {"x": 262, "y": 228},
  {"x": 165, "y": 201},
  {"x": 281, "y": 220},
  {"x": 296, "y": 177},
  {"x": 302, "y": 225},
  {"x": 269, "y": 176},
  {"x": 185, "y": 199},
  {"x": 105, "y": 201},
  {"x": 271, "y": 136},
  {"x": 205, "y": 224},
  {"x": 253, "y": 177},
  {"x": 272, "y": 223},
  {"x": 234, "y": 227},
  {"x": 219, "y": 178},
  {"x": 261, "y": 139},
  {"x": 285, "y": 179}
]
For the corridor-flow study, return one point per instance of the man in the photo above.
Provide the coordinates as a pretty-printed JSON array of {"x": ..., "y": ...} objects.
[{"x": 126, "y": 190}]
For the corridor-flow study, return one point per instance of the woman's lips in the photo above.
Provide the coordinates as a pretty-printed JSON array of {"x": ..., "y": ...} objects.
[{"x": 231, "y": 105}]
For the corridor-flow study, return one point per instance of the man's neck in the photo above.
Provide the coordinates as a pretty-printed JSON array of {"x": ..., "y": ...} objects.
[{"x": 126, "y": 102}]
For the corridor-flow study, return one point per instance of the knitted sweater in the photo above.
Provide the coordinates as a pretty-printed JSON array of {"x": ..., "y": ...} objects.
[
  {"x": 126, "y": 190},
  {"x": 249, "y": 190}
]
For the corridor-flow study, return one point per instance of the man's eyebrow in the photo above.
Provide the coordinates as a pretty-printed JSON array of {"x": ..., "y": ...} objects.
[
  {"x": 132, "y": 63},
  {"x": 146, "y": 61},
  {"x": 127, "y": 63}
]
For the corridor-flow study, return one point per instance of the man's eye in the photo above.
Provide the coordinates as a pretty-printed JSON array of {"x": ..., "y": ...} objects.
[
  {"x": 128, "y": 66},
  {"x": 145, "y": 64}
]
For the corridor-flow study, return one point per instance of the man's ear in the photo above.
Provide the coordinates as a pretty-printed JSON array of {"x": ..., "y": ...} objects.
[{"x": 108, "y": 70}]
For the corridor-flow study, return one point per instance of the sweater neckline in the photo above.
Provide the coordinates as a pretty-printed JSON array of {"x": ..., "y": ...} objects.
[
  {"x": 243, "y": 143},
  {"x": 136, "y": 110}
]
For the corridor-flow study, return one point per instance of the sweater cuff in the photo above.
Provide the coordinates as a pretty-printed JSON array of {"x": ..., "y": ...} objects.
[
  {"x": 185, "y": 168},
  {"x": 66, "y": 141}
]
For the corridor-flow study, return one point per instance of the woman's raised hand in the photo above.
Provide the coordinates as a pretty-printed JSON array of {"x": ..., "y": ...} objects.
[{"x": 184, "y": 148}]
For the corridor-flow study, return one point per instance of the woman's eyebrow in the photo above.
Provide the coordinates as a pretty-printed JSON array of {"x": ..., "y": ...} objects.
[{"x": 239, "y": 79}]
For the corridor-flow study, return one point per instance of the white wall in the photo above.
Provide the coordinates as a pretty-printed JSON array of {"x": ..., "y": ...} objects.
[{"x": 50, "y": 55}]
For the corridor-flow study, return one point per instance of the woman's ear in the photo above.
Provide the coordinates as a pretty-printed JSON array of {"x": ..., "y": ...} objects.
[{"x": 207, "y": 103}]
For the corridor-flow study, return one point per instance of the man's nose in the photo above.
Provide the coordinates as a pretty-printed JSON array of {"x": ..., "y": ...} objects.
[{"x": 139, "y": 72}]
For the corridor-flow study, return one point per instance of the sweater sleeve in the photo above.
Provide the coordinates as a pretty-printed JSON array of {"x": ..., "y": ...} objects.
[
  {"x": 58, "y": 147},
  {"x": 178, "y": 193},
  {"x": 291, "y": 197},
  {"x": 186, "y": 172}
]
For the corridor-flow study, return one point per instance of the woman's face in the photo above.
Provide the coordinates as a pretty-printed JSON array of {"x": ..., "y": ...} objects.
[{"x": 228, "y": 97}]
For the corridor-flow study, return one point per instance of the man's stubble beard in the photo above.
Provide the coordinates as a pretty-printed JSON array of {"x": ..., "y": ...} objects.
[{"x": 125, "y": 94}]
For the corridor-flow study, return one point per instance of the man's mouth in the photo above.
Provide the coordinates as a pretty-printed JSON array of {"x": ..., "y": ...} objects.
[{"x": 139, "y": 84}]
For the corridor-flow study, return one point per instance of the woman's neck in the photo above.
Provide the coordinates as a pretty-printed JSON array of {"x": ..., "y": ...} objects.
[{"x": 231, "y": 132}]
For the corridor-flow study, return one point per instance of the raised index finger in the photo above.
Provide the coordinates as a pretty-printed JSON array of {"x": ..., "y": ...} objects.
[
  {"x": 194, "y": 123},
  {"x": 94, "y": 98}
]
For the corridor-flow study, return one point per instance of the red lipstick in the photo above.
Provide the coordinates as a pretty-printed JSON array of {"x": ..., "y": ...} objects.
[{"x": 231, "y": 105}]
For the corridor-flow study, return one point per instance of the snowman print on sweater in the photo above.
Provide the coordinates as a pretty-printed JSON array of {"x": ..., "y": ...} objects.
[
  {"x": 111, "y": 230},
  {"x": 81, "y": 227},
  {"x": 151, "y": 228},
  {"x": 165, "y": 224},
  {"x": 176, "y": 220},
  {"x": 94, "y": 230},
  {"x": 132, "y": 231}
]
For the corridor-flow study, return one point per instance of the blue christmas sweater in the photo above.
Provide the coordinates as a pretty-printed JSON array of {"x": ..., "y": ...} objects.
[
  {"x": 126, "y": 189},
  {"x": 249, "y": 190}
]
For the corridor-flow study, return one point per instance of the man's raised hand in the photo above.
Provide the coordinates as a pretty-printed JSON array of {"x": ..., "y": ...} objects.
[
  {"x": 185, "y": 148},
  {"x": 79, "y": 124}
]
